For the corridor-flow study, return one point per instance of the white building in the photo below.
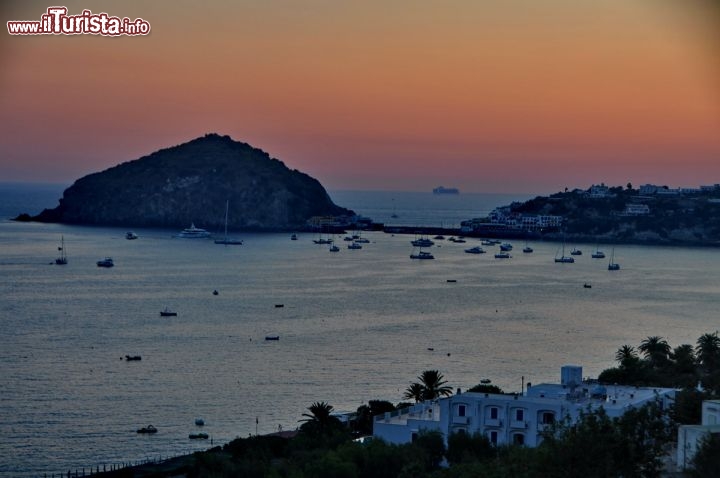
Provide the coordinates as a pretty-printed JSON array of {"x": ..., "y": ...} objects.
[
  {"x": 518, "y": 418},
  {"x": 690, "y": 436}
]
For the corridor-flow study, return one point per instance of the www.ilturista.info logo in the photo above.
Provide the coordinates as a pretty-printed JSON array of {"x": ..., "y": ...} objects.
[{"x": 57, "y": 22}]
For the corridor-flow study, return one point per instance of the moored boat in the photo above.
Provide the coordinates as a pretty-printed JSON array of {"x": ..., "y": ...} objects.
[
  {"x": 147, "y": 430},
  {"x": 193, "y": 232},
  {"x": 107, "y": 262},
  {"x": 503, "y": 255},
  {"x": 167, "y": 313},
  {"x": 475, "y": 250},
  {"x": 130, "y": 236},
  {"x": 422, "y": 255},
  {"x": 62, "y": 260}
]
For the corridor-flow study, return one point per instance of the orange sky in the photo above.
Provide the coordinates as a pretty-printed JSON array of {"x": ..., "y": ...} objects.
[{"x": 489, "y": 96}]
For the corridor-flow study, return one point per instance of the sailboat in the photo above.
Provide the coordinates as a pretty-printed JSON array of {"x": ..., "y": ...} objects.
[
  {"x": 62, "y": 260},
  {"x": 226, "y": 241},
  {"x": 612, "y": 265},
  {"x": 598, "y": 254},
  {"x": 563, "y": 258}
]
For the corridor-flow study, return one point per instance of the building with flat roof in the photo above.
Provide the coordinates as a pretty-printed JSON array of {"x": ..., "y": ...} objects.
[{"x": 516, "y": 418}]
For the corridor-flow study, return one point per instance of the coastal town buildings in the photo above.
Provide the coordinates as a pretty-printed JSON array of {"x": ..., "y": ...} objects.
[
  {"x": 690, "y": 436},
  {"x": 516, "y": 418}
]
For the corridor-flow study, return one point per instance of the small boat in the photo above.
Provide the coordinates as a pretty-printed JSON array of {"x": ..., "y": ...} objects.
[
  {"x": 198, "y": 436},
  {"x": 485, "y": 381},
  {"x": 598, "y": 254},
  {"x": 199, "y": 422},
  {"x": 587, "y": 286},
  {"x": 323, "y": 241},
  {"x": 334, "y": 248},
  {"x": 348, "y": 239},
  {"x": 293, "y": 237},
  {"x": 215, "y": 292},
  {"x": 148, "y": 429},
  {"x": 278, "y": 306},
  {"x": 62, "y": 260},
  {"x": 228, "y": 241},
  {"x": 167, "y": 313},
  {"x": 503, "y": 255},
  {"x": 452, "y": 281},
  {"x": 133, "y": 358},
  {"x": 527, "y": 249},
  {"x": 272, "y": 337},
  {"x": 130, "y": 236},
  {"x": 475, "y": 250},
  {"x": 354, "y": 245},
  {"x": 107, "y": 262},
  {"x": 362, "y": 240},
  {"x": 460, "y": 240},
  {"x": 439, "y": 237},
  {"x": 422, "y": 255},
  {"x": 506, "y": 246},
  {"x": 487, "y": 242},
  {"x": 576, "y": 252}
]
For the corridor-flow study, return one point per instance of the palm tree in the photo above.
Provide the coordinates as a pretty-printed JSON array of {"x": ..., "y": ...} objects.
[
  {"x": 320, "y": 413},
  {"x": 434, "y": 385},
  {"x": 684, "y": 358},
  {"x": 415, "y": 392},
  {"x": 708, "y": 351},
  {"x": 656, "y": 350},
  {"x": 627, "y": 356}
]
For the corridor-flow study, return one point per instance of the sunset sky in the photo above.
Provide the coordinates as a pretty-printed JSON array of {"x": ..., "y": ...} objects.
[{"x": 518, "y": 96}]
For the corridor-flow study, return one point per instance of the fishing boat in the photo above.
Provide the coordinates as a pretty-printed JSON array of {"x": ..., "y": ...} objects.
[
  {"x": 227, "y": 241},
  {"x": 62, "y": 260}
]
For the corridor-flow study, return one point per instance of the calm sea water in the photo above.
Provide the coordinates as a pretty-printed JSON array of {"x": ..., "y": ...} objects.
[{"x": 356, "y": 325}]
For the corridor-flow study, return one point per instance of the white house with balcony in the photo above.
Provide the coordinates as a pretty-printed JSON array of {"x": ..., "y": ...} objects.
[
  {"x": 690, "y": 436},
  {"x": 518, "y": 418}
]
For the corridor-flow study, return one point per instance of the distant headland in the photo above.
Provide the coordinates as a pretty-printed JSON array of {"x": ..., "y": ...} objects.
[
  {"x": 650, "y": 214},
  {"x": 192, "y": 182}
]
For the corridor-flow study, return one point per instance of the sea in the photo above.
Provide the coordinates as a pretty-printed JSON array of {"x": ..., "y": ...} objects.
[{"x": 353, "y": 326}]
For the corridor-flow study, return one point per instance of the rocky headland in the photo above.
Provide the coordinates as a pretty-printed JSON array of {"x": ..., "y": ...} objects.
[{"x": 190, "y": 183}]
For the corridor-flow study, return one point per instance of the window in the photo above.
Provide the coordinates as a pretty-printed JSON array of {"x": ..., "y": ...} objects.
[
  {"x": 519, "y": 415},
  {"x": 518, "y": 439},
  {"x": 548, "y": 418},
  {"x": 493, "y": 413},
  {"x": 461, "y": 410},
  {"x": 493, "y": 438}
]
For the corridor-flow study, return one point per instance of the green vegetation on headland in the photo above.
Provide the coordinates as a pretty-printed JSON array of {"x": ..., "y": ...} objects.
[
  {"x": 633, "y": 445},
  {"x": 648, "y": 215}
]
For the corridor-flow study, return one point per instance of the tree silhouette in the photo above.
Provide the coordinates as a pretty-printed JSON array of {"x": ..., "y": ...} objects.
[
  {"x": 415, "y": 392},
  {"x": 656, "y": 350},
  {"x": 433, "y": 385},
  {"x": 708, "y": 351}
]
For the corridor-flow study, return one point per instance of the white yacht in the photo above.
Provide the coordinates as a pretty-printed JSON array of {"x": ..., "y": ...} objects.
[{"x": 193, "y": 232}]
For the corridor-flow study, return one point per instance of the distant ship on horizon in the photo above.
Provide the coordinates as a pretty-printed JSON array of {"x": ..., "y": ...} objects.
[{"x": 444, "y": 190}]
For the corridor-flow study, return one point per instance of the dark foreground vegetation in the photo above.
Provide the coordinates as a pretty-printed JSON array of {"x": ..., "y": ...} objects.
[{"x": 635, "y": 445}]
